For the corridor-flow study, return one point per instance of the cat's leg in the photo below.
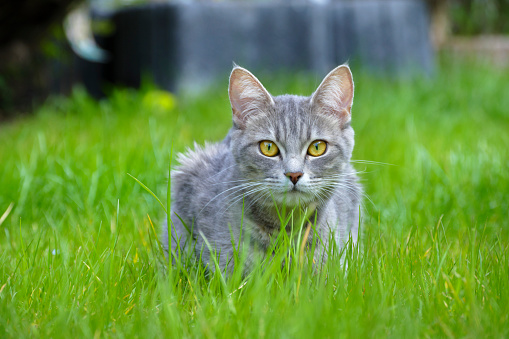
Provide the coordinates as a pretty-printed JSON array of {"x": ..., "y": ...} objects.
[
  {"x": 175, "y": 238},
  {"x": 334, "y": 231}
]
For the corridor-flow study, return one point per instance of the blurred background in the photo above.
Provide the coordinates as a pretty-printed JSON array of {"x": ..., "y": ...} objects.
[{"x": 48, "y": 46}]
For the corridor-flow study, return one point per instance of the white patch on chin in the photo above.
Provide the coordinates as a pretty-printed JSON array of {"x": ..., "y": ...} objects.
[{"x": 293, "y": 197}]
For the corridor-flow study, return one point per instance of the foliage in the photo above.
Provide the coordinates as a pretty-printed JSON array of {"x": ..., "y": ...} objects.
[
  {"x": 29, "y": 71},
  {"x": 79, "y": 252},
  {"x": 471, "y": 17}
]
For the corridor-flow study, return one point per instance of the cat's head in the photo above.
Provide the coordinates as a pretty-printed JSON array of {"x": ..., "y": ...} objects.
[{"x": 292, "y": 148}]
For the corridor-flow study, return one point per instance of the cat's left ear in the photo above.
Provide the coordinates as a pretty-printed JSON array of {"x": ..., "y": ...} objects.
[
  {"x": 335, "y": 94},
  {"x": 248, "y": 97}
]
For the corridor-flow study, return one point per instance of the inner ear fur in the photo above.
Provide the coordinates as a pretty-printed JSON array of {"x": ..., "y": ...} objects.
[
  {"x": 247, "y": 95},
  {"x": 335, "y": 94}
]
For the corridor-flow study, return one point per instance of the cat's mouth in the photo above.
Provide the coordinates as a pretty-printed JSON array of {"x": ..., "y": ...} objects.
[
  {"x": 292, "y": 191},
  {"x": 294, "y": 195}
]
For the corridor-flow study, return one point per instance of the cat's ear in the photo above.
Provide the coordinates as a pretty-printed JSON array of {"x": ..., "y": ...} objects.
[
  {"x": 335, "y": 94},
  {"x": 248, "y": 97}
]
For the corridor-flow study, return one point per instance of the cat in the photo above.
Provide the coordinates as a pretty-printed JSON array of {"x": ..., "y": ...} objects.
[{"x": 281, "y": 150}]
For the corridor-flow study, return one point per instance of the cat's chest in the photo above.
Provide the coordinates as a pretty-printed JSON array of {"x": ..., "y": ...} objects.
[{"x": 258, "y": 234}]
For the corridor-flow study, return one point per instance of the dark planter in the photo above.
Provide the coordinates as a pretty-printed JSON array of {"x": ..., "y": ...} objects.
[{"x": 192, "y": 44}]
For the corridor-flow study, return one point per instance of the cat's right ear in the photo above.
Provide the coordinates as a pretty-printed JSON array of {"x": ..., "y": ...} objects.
[{"x": 247, "y": 95}]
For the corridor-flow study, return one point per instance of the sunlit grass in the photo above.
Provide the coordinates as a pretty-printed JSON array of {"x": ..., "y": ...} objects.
[{"x": 79, "y": 251}]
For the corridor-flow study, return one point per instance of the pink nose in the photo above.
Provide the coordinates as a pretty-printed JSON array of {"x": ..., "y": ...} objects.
[{"x": 294, "y": 176}]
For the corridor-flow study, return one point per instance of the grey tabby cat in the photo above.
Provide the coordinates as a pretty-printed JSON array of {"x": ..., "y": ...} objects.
[{"x": 282, "y": 150}]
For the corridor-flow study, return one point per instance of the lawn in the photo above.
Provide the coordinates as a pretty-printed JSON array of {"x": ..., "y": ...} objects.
[{"x": 78, "y": 240}]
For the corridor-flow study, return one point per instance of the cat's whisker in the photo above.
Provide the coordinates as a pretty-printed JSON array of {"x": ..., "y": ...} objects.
[
  {"x": 333, "y": 193},
  {"x": 240, "y": 191},
  {"x": 352, "y": 190},
  {"x": 221, "y": 171},
  {"x": 335, "y": 185},
  {"x": 319, "y": 196},
  {"x": 339, "y": 179},
  {"x": 239, "y": 197},
  {"x": 365, "y": 195},
  {"x": 357, "y": 194},
  {"x": 232, "y": 181},
  {"x": 348, "y": 174},
  {"x": 369, "y": 162},
  {"x": 264, "y": 194},
  {"x": 236, "y": 188},
  {"x": 245, "y": 191}
]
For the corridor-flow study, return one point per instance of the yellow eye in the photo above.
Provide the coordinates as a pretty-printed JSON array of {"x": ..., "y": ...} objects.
[
  {"x": 317, "y": 148},
  {"x": 269, "y": 148}
]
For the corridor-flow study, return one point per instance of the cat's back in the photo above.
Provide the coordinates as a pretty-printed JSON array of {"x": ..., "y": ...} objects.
[
  {"x": 202, "y": 160},
  {"x": 198, "y": 175}
]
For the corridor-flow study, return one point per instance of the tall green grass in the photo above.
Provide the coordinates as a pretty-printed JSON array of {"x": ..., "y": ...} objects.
[{"x": 79, "y": 254}]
